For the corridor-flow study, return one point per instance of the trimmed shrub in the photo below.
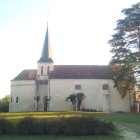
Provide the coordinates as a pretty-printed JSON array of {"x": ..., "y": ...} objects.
[
  {"x": 29, "y": 126},
  {"x": 73, "y": 126},
  {"x": 56, "y": 127},
  {"x": 44, "y": 125},
  {"x": 83, "y": 109},
  {"x": 77, "y": 126},
  {"x": 6, "y": 127},
  {"x": 82, "y": 126},
  {"x": 91, "y": 110},
  {"x": 107, "y": 128},
  {"x": 94, "y": 110}
]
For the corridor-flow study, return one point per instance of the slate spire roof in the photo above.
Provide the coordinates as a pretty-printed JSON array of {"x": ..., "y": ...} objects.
[{"x": 46, "y": 51}]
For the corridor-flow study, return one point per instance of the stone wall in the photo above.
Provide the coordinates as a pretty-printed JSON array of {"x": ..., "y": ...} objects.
[{"x": 96, "y": 97}]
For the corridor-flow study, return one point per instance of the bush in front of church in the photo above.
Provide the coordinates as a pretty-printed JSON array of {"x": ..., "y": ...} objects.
[
  {"x": 29, "y": 126},
  {"x": 82, "y": 126},
  {"x": 51, "y": 127},
  {"x": 77, "y": 126},
  {"x": 54, "y": 127},
  {"x": 6, "y": 127},
  {"x": 70, "y": 126}
]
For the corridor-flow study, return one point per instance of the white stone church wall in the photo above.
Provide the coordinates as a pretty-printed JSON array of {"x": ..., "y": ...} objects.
[
  {"x": 25, "y": 91},
  {"x": 96, "y": 98},
  {"x": 116, "y": 102}
]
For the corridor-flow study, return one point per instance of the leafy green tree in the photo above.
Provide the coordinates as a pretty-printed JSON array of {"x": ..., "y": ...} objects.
[
  {"x": 72, "y": 99},
  {"x": 76, "y": 100},
  {"x": 125, "y": 46},
  {"x": 4, "y": 104}
]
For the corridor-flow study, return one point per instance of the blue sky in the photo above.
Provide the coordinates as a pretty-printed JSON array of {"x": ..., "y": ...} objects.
[{"x": 79, "y": 30}]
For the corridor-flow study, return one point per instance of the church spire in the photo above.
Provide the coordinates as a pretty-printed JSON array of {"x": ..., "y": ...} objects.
[{"x": 46, "y": 51}]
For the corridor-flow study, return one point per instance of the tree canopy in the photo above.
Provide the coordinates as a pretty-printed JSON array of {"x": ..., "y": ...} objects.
[
  {"x": 125, "y": 47},
  {"x": 4, "y": 104},
  {"x": 76, "y": 100}
]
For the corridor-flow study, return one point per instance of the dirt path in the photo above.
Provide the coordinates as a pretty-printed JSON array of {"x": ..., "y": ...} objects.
[{"x": 129, "y": 131}]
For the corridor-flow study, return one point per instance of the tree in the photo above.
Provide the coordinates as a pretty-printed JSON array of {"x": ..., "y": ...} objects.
[
  {"x": 76, "y": 99},
  {"x": 125, "y": 44},
  {"x": 4, "y": 104},
  {"x": 72, "y": 98}
]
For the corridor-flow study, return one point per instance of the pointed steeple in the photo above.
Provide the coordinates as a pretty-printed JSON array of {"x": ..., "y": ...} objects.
[{"x": 46, "y": 51}]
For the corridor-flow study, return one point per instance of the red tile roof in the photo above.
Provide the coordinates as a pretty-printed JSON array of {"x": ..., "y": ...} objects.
[
  {"x": 71, "y": 72},
  {"x": 81, "y": 72},
  {"x": 26, "y": 75}
]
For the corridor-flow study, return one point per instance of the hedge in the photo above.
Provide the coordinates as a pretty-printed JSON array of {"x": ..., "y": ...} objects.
[{"x": 72, "y": 126}]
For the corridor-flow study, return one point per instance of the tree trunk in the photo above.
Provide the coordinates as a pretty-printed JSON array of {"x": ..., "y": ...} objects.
[
  {"x": 78, "y": 107},
  {"x": 37, "y": 106},
  {"x": 79, "y": 104},
  {"x": 139, "y": 38}
]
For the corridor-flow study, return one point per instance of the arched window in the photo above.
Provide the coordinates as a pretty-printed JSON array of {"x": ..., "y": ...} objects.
[
  {"x": 42, "y": 70},
  {"x": 48, "y": 70}
]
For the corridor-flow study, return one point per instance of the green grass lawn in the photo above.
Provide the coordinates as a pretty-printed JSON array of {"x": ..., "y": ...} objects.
[
  {"x": 43, "y": 137},
  {"x": 130, "y": 120}
]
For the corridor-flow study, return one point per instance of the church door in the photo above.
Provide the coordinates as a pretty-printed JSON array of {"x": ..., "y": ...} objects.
[{"x": 105, "y": 103}]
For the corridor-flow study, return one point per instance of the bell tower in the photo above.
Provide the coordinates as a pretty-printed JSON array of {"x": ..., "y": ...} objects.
[
  {"x": 45, "y": 66},
  {"x": 45, "y": 63}
]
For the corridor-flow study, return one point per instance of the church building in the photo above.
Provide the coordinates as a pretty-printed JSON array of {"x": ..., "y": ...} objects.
[{"x": 47, "y": 87}]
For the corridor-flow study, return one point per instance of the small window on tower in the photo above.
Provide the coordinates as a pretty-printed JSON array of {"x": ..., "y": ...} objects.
[
  {"x": 42, "y": 70},
  {"x": 105, "y": 87},
  {"x": 48, "y": 70},
  {"x": 17, "y": 99},
  {"x": 77, "y": 86}
]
